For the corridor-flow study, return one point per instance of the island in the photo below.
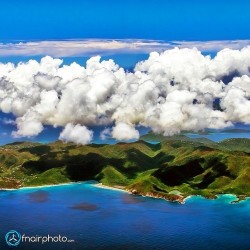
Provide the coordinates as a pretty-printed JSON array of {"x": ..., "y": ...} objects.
[{"x": 172, "y": 169}]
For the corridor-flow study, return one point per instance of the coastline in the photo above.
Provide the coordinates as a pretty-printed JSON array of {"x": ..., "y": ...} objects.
[
  {"x": 40, "y": 186},
  {"x": 100, "y": 185},
  {"x": 177, "y": 198},
  {"x": 180, "y": 201}
]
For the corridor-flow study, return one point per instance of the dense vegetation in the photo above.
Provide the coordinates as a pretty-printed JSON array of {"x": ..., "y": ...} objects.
[{"x": 173, "y": 169}]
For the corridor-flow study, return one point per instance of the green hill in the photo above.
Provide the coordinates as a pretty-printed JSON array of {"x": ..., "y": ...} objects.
[
  {"x": 173, "y": 169},
  {"x": 240, "y": 144}
]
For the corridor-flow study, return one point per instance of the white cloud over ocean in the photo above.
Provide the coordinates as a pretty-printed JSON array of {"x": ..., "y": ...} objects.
[{"x": 169, "y": 92}]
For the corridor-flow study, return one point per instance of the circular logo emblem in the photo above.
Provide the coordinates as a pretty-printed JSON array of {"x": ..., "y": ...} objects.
[{"x": 13, "y": 238}]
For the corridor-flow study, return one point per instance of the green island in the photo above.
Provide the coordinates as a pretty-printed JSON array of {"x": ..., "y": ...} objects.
[{"x": 172, "y": 169}]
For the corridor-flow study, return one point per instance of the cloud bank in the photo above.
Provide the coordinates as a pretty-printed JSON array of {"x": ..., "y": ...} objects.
[
  {"x": 90, "y": 47},
  {"x": 178, "y": 89}
]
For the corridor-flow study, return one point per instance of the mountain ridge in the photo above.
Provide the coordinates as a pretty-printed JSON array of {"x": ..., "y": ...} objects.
[{"x": 190, "y": 166}]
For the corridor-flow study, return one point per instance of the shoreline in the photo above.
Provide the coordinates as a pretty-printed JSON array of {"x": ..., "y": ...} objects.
[
  {"x": 40, "y": 186},
  {"x": 238, "y": 198},
  {"x": 100, "y": 185}
]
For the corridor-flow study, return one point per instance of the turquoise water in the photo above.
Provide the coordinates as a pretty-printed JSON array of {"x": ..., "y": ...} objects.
[
  {"x": 241, "y": 131},
  {"x": 97, "y": 218},
  {"x": 220, "y": 136}
]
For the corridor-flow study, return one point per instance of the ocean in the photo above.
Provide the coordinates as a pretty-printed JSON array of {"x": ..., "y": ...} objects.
[{"x": 90, "y": 217}]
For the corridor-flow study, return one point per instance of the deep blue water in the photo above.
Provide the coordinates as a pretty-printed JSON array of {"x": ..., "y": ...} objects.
[{"x": 97, "y": 218}]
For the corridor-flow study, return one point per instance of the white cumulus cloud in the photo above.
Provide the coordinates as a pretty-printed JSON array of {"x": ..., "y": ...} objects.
[
  {"x": 169, "y": 92},
  {"x": 124, "y": 131},
  {"x": 76, "y": 133}
]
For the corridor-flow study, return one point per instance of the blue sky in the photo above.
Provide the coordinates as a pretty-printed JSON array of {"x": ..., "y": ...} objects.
[
  {"x": 145, "y": 19},
  {"x": 198, "y": 22}
]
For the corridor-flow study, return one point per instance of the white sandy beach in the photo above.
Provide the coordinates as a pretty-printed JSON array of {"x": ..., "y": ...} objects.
[{"x": 100, "y": 185}]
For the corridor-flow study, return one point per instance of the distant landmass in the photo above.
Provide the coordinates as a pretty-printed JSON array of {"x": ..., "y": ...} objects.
[{"x": 172, "y": 169}]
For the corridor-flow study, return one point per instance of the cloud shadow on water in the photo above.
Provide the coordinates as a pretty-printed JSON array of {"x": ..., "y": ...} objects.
[
  {"x": 39, "y": 196},
  {"x": 85, "y": 206}
]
